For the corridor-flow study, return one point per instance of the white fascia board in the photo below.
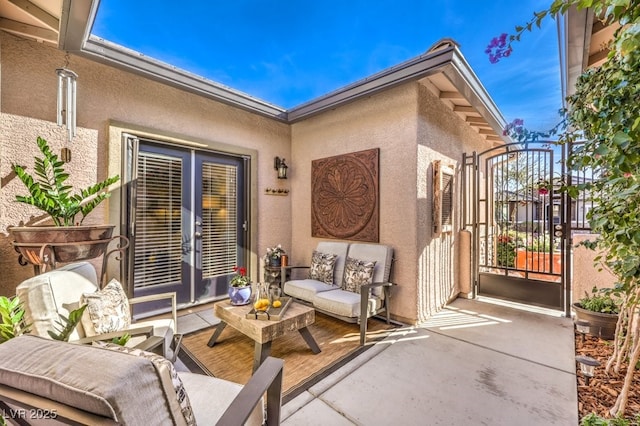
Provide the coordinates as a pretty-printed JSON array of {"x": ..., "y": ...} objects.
[
  {"x": 411, "y": 70},
  {"x": 575, "y": 34},
  {"x": 113, "y": 54},
  {"x": 75, "y": 36},
  {"x": 76, "y": 20}
]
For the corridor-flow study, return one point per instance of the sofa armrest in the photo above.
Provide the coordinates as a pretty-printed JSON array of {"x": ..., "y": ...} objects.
[
  {"x": 135, "y": 331},
  {"x": 365, "y": 291},
  {"x": 160, "y": 296},
  {"x": 373, "y": 285},
  {"x": 268, "y": 378}
]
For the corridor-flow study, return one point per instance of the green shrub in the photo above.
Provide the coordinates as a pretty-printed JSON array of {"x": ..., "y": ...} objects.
[
  {"x": 506, "y": 251},
  {"x": 600, "y": 301}
]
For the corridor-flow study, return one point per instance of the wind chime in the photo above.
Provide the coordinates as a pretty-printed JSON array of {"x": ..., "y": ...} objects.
[{"x": 66, "y": 111}]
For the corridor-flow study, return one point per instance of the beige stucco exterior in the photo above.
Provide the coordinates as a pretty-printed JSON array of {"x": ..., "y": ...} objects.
[
  {"x": 586, "y": 274},
  {"x": 109, "y": 100},
  {"x": 409, "y": 123}
]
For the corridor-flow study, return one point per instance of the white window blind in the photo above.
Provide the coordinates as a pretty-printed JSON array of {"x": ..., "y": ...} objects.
[
  {"x": 220, "y": 218},
  {"x": 158, "y": 221}
]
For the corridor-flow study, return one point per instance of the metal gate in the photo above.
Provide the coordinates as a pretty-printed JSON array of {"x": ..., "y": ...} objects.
[{"x": 521, "y": 222}]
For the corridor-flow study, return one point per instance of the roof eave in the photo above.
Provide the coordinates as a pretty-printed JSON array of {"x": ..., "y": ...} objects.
[
  {"x": 75, "y": 36},
  {"x": 411, "y": 70},
  {"x": 468, "y": 84},
  {"x": 575, "y": 35}
]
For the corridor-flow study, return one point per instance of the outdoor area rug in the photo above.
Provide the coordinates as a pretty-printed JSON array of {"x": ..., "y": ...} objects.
[{"x": 232, "y": 356}]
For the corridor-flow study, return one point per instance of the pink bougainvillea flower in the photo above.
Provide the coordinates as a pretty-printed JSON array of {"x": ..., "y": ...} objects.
[{"x": 498, "y": 48}]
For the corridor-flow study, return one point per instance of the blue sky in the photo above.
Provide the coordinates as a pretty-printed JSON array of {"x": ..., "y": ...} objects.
[{"x": 288, "y": 52}]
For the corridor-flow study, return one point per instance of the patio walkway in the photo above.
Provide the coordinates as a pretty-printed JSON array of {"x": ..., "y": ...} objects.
[{"x": 474, "y": 363}]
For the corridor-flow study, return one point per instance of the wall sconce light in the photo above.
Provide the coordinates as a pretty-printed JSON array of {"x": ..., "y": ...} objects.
[
  {"x": 281, "y": 167},
  {"x": 587, "y": 367}
]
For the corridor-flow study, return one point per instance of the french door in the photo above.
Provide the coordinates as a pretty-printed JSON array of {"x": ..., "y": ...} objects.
[{"x": 187, "y": 220}]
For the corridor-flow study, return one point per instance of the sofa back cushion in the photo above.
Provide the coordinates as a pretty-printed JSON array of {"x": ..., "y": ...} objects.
[
  {"x": 121, "y": 387},
  {"x": 379, "y": 253},
  {"x": 340, "y": 249},
  {"x": 47, "y": 296}
]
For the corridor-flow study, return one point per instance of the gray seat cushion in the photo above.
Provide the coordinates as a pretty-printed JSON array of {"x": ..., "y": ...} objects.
[
  {"x": 210, "y": 397},
  {"x": 344, "y": 303},
  {"x": 306, "y": 289}
]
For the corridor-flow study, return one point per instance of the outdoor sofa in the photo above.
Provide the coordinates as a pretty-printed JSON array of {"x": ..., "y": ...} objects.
[{"x": 349, "y": 281}]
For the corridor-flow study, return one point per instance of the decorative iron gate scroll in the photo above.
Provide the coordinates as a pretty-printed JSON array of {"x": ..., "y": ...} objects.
[{"x": 521, "y": 222}]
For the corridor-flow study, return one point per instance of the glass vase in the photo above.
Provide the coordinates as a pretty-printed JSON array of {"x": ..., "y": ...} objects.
[{"x": 262, "y": 299}]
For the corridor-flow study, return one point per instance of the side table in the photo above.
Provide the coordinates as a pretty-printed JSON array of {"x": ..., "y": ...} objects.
[
  {"x": 262, "y": 332},
  {"x": 272, "y": 275}
]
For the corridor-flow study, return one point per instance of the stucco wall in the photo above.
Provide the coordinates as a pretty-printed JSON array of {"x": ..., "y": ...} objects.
[
  {"x": 386, "y": 121},
  {"x": 586, "y": 274},
  {"x": 105, "y": 94},
  {"x": 412, "y": 128},
  {"x": 441, "y": 135}
]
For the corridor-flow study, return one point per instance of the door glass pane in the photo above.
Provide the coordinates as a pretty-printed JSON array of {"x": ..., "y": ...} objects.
[
  {"x": 158, "y": 219},
  {"x": 220, "y": 219}
]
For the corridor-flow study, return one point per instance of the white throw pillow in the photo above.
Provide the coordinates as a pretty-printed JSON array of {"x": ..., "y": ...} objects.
[{"x": 107, "y": 310}]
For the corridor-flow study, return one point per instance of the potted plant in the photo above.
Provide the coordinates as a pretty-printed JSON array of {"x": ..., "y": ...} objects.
[
  {"x": 240, "y": 287},
  {"x": 11, "y": 318},
  {"x": 600, "y": 309},
  {"x": 68, "y": 239},
  {"x": 274, "y": 256}
]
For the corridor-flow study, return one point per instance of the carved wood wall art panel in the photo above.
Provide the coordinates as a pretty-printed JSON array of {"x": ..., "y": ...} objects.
[{"x": 344, "y": 197}]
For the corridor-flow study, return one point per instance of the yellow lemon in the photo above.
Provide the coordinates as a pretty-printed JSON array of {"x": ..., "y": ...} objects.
[{"x": 277, "y": 304}]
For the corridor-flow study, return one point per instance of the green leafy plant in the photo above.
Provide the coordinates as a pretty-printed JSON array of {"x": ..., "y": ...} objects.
[
  {"x": 240, "y": 279},
  {"x": 273, "y": 253},
  {"x": 506, "y": 250},
  {"x": 12, "y": 317},
  {"x": 122, "y": 340},
  {"x": 600, "y": 301},
  {"x": 49, "y": 192},
  {"x": 593, "y": 419},
  {"x": 66, "y": 325}
]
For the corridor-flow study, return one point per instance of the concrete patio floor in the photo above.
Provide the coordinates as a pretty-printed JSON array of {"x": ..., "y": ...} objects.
[{"x": 474, "y": 363}]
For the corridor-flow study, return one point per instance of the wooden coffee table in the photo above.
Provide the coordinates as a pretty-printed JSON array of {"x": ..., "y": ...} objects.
[{"x": 296, "y": 318}]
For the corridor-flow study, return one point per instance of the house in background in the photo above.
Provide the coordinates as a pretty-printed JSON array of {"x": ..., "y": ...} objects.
[{"x": 201, "y": 157}]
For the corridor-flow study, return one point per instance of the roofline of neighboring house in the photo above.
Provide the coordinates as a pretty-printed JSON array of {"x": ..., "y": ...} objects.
[{"x": 75, "y": 36}]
